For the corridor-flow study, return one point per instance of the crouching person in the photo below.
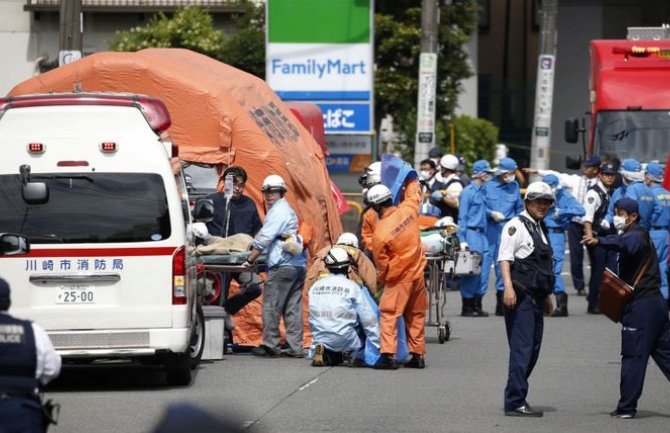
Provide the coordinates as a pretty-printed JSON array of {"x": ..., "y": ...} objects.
[{"x": 340, "y": 316}]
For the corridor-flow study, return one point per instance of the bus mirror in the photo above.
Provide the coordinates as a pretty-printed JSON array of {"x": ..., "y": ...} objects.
[{"x": 572, "y": 130}]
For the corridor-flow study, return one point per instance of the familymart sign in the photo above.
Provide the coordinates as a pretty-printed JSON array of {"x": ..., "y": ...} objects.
[{"x": 321, "y": 51}]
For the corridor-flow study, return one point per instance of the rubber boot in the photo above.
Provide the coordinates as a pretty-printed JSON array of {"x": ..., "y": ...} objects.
[
  {"x": 500, "y": 310},
  {"x": 478, "y": 307},
  {"x": 561, "y": 309},
  {"x": 468, "y": 309}
]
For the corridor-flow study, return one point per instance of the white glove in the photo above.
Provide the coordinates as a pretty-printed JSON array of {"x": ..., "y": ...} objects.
[
  {"x": 464, "y": 246},
  {"x": 497, "y": 216},
  {"x": 200, "y": 230},
  {"x": 605, "y": 225}
]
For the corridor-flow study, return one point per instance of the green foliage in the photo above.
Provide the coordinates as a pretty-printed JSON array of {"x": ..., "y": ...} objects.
[
  {"x": 474, "y": 138},
  {"x": 190, "y": 27},
  {"x": 397, "y": 49},
  {"x": 246, "y": 48}
]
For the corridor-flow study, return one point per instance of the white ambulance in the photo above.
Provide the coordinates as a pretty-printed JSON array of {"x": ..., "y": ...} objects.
[{"x": 111, "y": 272}]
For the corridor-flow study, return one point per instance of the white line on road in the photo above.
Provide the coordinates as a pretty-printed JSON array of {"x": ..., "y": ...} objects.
[{"x": 308, "y": 384}]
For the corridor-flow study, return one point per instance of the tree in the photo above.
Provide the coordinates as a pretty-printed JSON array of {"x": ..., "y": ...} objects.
[
  {"x": 397, "y": 49},
  {"x": 246, "y": 48},
  {"x": 190, "y": 27}
]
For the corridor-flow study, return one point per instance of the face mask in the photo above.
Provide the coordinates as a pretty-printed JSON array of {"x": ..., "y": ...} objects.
[
  {"x": 425, "y": 175},
  {"x": 619, "y": 222},
  {"x": 508, "y": 178}
]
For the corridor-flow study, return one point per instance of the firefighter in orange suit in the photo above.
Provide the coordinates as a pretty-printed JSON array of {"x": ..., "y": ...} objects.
[{"x": 396, "y": 245}]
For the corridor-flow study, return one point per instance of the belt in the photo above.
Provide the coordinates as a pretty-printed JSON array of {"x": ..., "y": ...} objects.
[
  {"x": 12, "y": 395},
  {"x": 659, "y": 228},
  {"x": 555, "y": 230},
  {"x": 477, "y": 229}
]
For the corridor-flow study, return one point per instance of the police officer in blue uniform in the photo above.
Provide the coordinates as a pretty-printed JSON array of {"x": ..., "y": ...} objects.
[
  {"x": 633, "y": 187},
  {"x": 595, "y": 204},
  {"x": 565, "y": 208},
  {"x": 527, "y": 268},
  {"x": 645, "y": 328},
  {"x": 503, "y": 201},
  {"x": 27, "y": 361},
  {"x": 660, "y": 220},
  {"x": 472, "y": 234}
]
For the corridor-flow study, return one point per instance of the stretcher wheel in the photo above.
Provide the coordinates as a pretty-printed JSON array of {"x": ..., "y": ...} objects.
[{"x": 442, "y": 334}]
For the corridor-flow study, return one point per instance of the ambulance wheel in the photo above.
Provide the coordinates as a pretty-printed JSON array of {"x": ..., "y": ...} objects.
[{"x": 197, "y": 345}]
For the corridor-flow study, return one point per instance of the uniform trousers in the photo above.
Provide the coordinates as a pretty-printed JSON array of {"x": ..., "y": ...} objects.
[
  {"x": 282, "y": 297},
  {"x": 575, "y": 235},
  {"x": 525, "y": 326},
  {"x": 493, "y": 232},
  {"x": 660, "y": 238},
  {"x": 409, "y": 300},
  {"x": 21, "y": 415},
  {"x": 645, "y": 331},
  {"x": 557, "y": 241}
]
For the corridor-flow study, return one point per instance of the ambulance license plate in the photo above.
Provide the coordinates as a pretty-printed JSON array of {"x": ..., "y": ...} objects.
[{"x": 75, "y": 294}]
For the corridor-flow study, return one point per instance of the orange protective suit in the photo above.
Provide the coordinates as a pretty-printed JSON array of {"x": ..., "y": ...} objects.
[
  {"x": 362, "y": 270},
  {"x": 401, "y": 262},
  {"x": 412, "y": 190}
]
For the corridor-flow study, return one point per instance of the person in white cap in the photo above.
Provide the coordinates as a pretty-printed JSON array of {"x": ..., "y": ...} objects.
[
  {"x": 282, "y": 292},
  {"x": 527, "y": 267}
]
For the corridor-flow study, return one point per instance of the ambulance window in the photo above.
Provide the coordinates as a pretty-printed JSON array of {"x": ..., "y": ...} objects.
[{"x": 88, "y": 208}]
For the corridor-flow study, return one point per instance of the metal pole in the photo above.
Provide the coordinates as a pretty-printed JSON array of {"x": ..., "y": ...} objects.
[
  {"x": 425, "y": 116},
  {"x": 544, "y": 90},
  {"x": 71, "y": 32}
]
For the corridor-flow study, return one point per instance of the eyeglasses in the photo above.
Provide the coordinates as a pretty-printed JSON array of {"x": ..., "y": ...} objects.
[{"x": 239, "y": 185}]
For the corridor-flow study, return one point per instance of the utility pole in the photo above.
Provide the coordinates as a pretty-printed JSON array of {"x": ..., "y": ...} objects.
[
  {"x": 544, "y": 89},
  {"x": 71, "y": 32},
  {"x": 425, "y": 116}
]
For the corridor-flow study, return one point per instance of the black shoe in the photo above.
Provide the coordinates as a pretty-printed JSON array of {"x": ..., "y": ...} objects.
[
  {"x": 386, "y": 362},
  {"x": 622, "y": 415},
  {"x": 561, "y": 309},
  {"x": 524, "y": 411},
  {"x": 264, "y": 351},
  {"x": 416, "y": 361},
  {"x": 319, "y": 359},
  {"x": 357, "y": 363},
  {"x": 478, "y": 307},
  {"x": 291, "y": 354},
  {"x": 581, "y": 292},
  {"x": 593, "y": 310}
]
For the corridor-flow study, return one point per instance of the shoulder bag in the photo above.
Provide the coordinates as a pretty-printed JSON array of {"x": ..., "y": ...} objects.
[{"x": 615, "y": 292}]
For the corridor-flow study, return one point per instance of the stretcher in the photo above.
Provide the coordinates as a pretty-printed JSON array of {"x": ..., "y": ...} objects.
[{"x": 436, "y": 286}]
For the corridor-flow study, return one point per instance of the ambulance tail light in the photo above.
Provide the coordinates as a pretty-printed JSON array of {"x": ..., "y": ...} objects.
[
  {"x": 36, "y": 148},
  {"x": 108, "y": 147},
  {"x": 179, "y": 277}
]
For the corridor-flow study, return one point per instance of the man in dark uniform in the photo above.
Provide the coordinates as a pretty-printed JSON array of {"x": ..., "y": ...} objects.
[
  {"x": 526, "y": 265},
  {"x": 27, "y": 361},
  {"x": 645, "y": 328},
  {"x": 242, "y": 218}
]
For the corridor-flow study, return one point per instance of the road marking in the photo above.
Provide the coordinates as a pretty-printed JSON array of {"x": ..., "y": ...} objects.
[{"x": 308, "y": 384}]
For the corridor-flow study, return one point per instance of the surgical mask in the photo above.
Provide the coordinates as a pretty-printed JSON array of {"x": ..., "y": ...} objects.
[
  {"x": 508, "y": 178},
  {"x": 619, "y": 223},
  {"x": 425, "y": 175}
]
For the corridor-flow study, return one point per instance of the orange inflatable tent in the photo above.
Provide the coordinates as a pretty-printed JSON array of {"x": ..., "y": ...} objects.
[{"x": 220, "y": 115}]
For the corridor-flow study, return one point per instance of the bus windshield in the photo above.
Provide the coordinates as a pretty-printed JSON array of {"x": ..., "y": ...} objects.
[{"x": 642, "y": 135}]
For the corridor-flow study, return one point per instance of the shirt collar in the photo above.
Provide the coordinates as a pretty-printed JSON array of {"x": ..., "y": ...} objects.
[{"x": 527, "y": 215}]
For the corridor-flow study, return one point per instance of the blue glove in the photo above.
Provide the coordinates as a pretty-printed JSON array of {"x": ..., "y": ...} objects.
[{"x": 436, "y": 197}]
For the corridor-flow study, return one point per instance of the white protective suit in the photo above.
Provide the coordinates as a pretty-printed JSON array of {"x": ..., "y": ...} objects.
[{"x": 338, "y": 310}]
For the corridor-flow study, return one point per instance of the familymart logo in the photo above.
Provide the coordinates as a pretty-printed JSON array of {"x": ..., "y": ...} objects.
[{"x": 319, "y": 68}]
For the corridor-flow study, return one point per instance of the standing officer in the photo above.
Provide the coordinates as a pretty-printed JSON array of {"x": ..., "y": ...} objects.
[
  {"x": 645, "y": 329},
  {"x": 445, "y": 193},
  {"x": 27, "y": 361},
  {"x": 401, "y": 262},
  {"x": 503, "y": 201},
  {"x": 660, "y": 220},
  {"x": 578, "y": 185},
  {"x": 526, "y": 264},
  {"x": 596, "y": 204},
  {"x": 282, "y": 294},
  {"x": 633, "y": 187},
  {"x": 472, "y": 234},
  {"x": 565, "y": 208}
]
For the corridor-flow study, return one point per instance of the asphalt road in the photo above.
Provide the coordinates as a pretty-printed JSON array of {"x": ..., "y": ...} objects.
[{"x": 576, "y": 383}]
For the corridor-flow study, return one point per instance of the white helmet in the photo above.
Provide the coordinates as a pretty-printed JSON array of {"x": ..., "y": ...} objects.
[
  {"x": 539, "y": 191},
  {"x": 449, "y": 162},
  {"x": 374, "y": 173},
  {"x": 378, "y": 194},
  {"x": 274, "y": 182},
  {"x": 348, "y": 239},
  {"x": 337, "y": 258},
  {"x": 446, "y": 222}
]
